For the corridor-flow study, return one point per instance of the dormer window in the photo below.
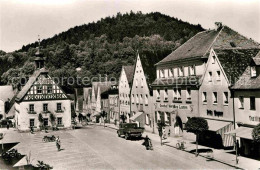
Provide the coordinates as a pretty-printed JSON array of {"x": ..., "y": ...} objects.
[
  {"x": 253, "y": 71},
  {"x": 213, "y": 60},
  {"x": 162, "y": 73}
]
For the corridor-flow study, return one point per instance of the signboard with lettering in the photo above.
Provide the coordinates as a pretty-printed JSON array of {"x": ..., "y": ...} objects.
[
  {"x": 176, "y": 106},
  {"x": 254, "y": 118}
]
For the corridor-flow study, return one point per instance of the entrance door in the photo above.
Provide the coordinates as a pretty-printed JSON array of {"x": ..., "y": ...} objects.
[{"x": 45, "y": 121}]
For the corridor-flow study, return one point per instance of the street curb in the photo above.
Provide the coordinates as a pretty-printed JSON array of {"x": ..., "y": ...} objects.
[{"x": 234, "y": 166}]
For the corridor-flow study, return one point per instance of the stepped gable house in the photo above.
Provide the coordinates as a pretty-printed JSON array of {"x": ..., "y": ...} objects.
[
  {"x": 125, "y": 84},
  {"x": 41, "y": 95},
  {"x": 176, "y": 89}
]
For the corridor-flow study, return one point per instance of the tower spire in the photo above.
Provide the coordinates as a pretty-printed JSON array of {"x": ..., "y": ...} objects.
[{"x": 39, "y": 60}]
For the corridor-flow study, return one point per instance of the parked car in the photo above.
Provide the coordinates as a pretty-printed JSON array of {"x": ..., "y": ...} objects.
[{"x": 129, "y": 130}]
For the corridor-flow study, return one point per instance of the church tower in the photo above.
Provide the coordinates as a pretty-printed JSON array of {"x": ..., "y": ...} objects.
[{"x": 39, "y": 59}]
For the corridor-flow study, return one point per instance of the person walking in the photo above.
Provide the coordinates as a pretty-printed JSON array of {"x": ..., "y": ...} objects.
[
  {"x": 58, "y": 143},
  {"x": 7, "y": 125}
]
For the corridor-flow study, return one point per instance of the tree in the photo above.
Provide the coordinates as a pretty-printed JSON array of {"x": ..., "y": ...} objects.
[
  {"x": 196, "y": 125},
  {"x": 256, "y": 133},
  {"x": 103, "y": 114},
  {"x": 160, "y": 126},
  {"x": 1, "y": 116},
  {"x": 40, "y": 118},
  {"x": 123, "y": 118},
  {"x": 52, "y": 119}
]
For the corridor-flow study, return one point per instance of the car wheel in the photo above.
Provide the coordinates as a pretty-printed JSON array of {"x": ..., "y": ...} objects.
[{"x": 126, "y": 136}]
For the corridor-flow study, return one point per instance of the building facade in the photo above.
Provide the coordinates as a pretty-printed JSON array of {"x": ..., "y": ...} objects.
[
  {"x": 142, "y": 106},
  {"x": 125, "y": 84},
  {"x": 6, "y": 95},
  {"x": 41, "y": 96}
]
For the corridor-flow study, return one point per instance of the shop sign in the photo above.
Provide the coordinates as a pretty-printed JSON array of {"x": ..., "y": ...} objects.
[
  {"x": 254, "y": 118},
  {"x": 176, "y": 106}
]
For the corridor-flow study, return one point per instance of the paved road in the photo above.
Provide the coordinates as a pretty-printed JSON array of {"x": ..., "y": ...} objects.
[
  {"x": 95, "y": 147},
  {"x": 122, "y": 154}
]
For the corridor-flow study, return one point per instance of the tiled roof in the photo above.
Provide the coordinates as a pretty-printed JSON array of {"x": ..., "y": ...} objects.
[
  {"x": 235, "y": 61},
  {"x": 30, "y": 82},
  {"x": 129, "y": 71},
  {"x": 246, "y": 82},
  {"x": 6, "y": 92},
  {"x": 179, "y": 81},
  {"x": 104, "y": 86},
  {"x": 197, "y": 46},
  {"x": 105, "y": 94},
  {"x": 200, "y": 44},
  {"x": 256, "y": 59}
]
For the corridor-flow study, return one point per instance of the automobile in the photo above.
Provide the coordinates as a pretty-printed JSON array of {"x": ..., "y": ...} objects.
[{"x": 129, "y": 130}]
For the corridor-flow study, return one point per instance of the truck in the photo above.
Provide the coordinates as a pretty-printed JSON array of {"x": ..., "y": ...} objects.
[{"x": 129, "y": 130}]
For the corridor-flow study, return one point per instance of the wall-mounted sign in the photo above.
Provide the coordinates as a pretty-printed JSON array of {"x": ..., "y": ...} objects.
[
  {"x": 254, "y": 118},
  {"x": 176, "y": 106}
]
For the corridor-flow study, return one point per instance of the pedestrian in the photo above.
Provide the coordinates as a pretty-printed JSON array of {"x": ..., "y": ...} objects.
[
  {"x": 237, "y": 148},
  {"x": 164, "y": 133},
  {"x": 169, "y": 133},
  {"x": 58, "y": 143},
  {"x": 7, "y": 125}
]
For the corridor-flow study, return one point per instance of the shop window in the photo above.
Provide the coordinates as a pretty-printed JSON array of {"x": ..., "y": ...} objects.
[
  {"x": 252, "y": 103},
  {"x": 225, "y": 97},
  {"x": 241, "y": 102},
  {"x": 215, "y": 97}
]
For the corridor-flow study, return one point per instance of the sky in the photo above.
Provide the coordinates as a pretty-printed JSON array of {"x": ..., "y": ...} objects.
[{"x": 21, "y": 21}]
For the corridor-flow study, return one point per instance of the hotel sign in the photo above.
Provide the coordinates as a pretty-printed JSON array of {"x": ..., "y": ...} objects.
[{"x": 176, "y": 106}]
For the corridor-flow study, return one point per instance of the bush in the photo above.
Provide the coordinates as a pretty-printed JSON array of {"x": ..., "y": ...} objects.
[
  {"x": 4, "y": 122},
  {"x": 1, "y": 116}
]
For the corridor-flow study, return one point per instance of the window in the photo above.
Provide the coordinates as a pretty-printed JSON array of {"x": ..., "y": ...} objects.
[
  {"x": 45, "y": 121},
  {"x": 141, "y": 99},
  {"x": 45, "y": 107},
  {"x": 218, "y": 75},
  {"x": 137, "y": 99},
  {"x": 31, "y": 122},
  {"x": 204, "y": 97},
  {"x": 213, "y": 60},
  {"x": 49, "y": 89},
  {"x": 133, "y": 98},
  {"x": 192, "y": 70},
  {"x": 252, "y": 103},
  {"x": 31, "y": 107},
  {"x": 225, "y": 97},
  {"x": 146, "y": 99},
  {"x": 165, "y": 73},
  {"x": 39, "y": 89},
  {"x": 241, "y": 102},
  {"x": 59, "y": 120},
  {"x": 170, "y": 72},
  {"x": 58, "y": 106},
  {"x": 177, "y": 94},
  {"x": 253, "y": 71},
  {"x": 210, "y": 76},
  {"x": 215, "y": 97},
  {"x": 162, "y": 73},
  {"x": 180, "y": 71},
  {"x": 147, "y": 121},
  {"x": 188, "y": 93},
  {"x": 158, "y": 94},
  {"x": 142, "y": 83},
  {"x": 165, "y": 95},
  {"x": 136, "y": 82}
]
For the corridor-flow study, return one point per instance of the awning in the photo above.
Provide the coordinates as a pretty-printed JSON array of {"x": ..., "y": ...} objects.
[
  {"x": 242, "y": 132},
  {"x": 215, "y": 125},
  {"x": 136, "y": 116}
]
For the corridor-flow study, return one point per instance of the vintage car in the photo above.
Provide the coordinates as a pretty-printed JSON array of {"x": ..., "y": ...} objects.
[{"x": 129, "y": 130}]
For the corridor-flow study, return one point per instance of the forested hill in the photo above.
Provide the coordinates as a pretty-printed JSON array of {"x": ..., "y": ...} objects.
[{"x": 103, "y": 47}]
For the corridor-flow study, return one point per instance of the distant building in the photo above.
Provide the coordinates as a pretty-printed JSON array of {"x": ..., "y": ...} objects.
[
  {"x": 110, "y": 104},
  {"x": 142, "y": 106},
  {"x": 125, "y": 84},
  {"x": 114, "y": 108},
  {"x": 223, "y": 68},
  {"x": 247, "y": 107},
  {"x": 41, "y": 95},
  {"x": 6, "y": 95},
  {"x": 176, "y": 89}
]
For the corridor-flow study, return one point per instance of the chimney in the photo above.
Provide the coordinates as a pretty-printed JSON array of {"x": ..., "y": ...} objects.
[{"x": 218, "y": 26}]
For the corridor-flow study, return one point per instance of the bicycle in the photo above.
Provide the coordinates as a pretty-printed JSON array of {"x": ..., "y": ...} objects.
[{"x": 180, "y": 145}]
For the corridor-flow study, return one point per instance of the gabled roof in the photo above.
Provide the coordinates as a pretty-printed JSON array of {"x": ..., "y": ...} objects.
[
  {"x": 200, "y": 44},
  {"x": 235, "y": 61},
  {"x": 104, "y": 86},
  {"x": 87, "y": 92},
  {"x": 106, "y": 94},
  {"x": 256, "y": 59},
  {"x": 29, "y": 84},
  {"x": 129, "y": 71},
  {"x": 6, "y": 92}
]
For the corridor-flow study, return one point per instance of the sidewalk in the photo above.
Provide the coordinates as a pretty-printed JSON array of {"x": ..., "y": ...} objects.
[{"x": 219, "y": 155}]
